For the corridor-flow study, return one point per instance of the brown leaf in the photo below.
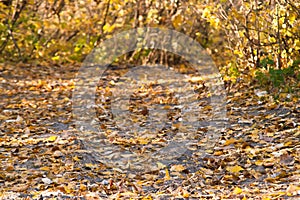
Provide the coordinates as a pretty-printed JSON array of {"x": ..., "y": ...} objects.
[{"x": 287, "y": 159}]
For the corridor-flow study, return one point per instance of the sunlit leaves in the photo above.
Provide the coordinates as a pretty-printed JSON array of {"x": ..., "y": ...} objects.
[
  {"x": 257, "y": 30},
  {"x": 52, "y": 138},
  {"x": 237, "y": 190},
  {"x": 234, "y": 169},
  {"x": 108, "y": 28},
  {"x": 177, "y": 21},
  {"x": 178, "y": 168},
  {"x": 260, "y": 148}
]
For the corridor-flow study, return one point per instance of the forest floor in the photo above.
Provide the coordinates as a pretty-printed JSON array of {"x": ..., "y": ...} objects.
[{"x": 43, "y": 156}]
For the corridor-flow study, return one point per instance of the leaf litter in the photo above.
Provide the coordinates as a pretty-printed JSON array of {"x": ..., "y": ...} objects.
[{"x": 43, "y": 156}]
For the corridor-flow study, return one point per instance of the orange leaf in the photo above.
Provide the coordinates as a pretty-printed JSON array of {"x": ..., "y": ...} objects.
[
  {"x": 167, "y": 177},
  {"x": 230, "y": 141},
  {"x": 45, "y": 168}
]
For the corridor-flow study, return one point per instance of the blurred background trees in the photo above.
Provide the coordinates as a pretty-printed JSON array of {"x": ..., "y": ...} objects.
[{"x": 255, "y": 38}]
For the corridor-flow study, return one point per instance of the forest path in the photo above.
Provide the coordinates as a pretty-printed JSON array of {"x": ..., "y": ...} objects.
[{"x": 40, "y": 151}]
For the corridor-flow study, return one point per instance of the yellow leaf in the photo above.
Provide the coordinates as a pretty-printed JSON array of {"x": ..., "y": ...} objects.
[
  {"x": 160, "y": 165},
  {"x": 269, "y": 116},
  {"x": 177, "y": 21},
  {"x": 239, "y": 53},
  {"x": 272, "y": 106},
  {"x": 234, "y": 169},
  {"x": 272, "y": 39},
  {"x": 77, "y": 49},
  {"x": 270, "y": 134},
  {"x": 185, "y": 194},
  {"x": 289, "y": 143},
  {"x": 196, "y": 79},
  {"x": 52, "y": 138},
  {"x": 90, "y": 165},
  {"x": 75, "y": 158},
  {"x": 178, "y": 168},
  {"x": 143, "y": 141},
  {"x": 82, "y": 187},
  {"x": 218, "y": 153},
  {"x": 266, "y": 198},
  {"x": 230, "y": 141},
  {"x": 167, "y": 177},
  {"x": 3, "y": 117},
  {"x": 206, "y": 13},
  {"x": 283, "y": 95},
  {"x": 128, "y": 193},
  {"x": 292, "y": 190},
  {"x": 108, "y": 28},
  {"x": 259, "y": 162},
  {"x": 68, "y": 189},
  {"x": 237, "y": 190},
  {"x": 55, "y": 58},
  {"x": 147, "y": 198}
]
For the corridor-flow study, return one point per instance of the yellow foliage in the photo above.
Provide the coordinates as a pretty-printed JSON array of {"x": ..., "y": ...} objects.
[
  {"x": 52, "y": 138},
  {"x": 234, "y": 169}
]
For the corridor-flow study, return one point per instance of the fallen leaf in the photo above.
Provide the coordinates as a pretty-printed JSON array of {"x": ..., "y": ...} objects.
[
  {"x": 237, "y": 190},
  {"x": 167, "y": 176},
  {"x": 47, "y": 181},
  {"x": 52, "y": 138},
  {"x": 293, "y": 190},
  {"x": 230, "y": 141},
  {"x": 177, "y": 168},
  {"x": 75, "y": 158},
  {"x": 234, "y": 169},
  {"x": 45, "y": 168},
  {"x": 185, "y": 194},
  {"x": 161, "y": 165}
]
